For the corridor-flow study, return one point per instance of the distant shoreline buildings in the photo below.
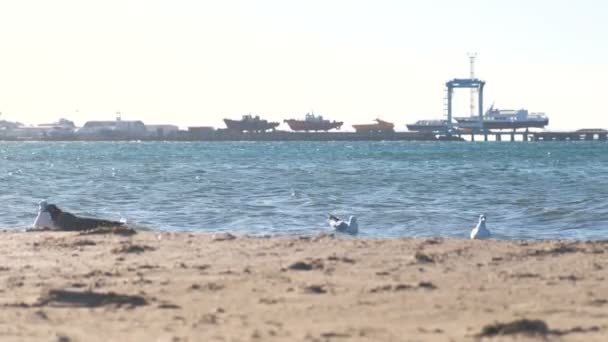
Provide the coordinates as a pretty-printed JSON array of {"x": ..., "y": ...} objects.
[
  {"x": 311, "y": 128},
  {"x": 247, "y": 126}
]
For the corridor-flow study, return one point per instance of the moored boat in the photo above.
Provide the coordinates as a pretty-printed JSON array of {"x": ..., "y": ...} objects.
[
  {"x": 380, "y": 126},
  {"x": 428, "y": 126},
  {"x": 505, "y": 119},
  {"x": 250, "y": 123},
  {"x": 313, "y": 122}
]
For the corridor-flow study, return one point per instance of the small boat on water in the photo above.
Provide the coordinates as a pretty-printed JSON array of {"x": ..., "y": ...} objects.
[
  {"x": 313, "y": 122},
  {"x": 250, "y": 123},
  {"x": 380, "y": 126}
]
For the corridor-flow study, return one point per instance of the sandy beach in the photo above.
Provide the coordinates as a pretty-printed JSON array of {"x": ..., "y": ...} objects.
[{"x": 194, "y": 287}]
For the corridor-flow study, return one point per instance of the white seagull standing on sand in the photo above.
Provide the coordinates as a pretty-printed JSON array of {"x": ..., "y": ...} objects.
[
  {"x": 350, "y": 227},
  {"x": 480, "y": 231},
  {"x": 43, "y": 220}
]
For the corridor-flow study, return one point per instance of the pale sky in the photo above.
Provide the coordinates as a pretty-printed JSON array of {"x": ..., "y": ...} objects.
[{"x": 194, "y": 62}]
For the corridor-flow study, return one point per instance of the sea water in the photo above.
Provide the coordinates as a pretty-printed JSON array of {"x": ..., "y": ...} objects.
[{"x": 544, "y": 190}]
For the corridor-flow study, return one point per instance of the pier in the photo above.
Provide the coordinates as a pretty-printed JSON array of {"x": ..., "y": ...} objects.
[
  {"x": 227, "y": 135},
  {"x": 579, "y": 135}
]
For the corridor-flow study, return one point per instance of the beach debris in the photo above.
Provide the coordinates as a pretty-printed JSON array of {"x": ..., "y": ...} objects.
[
  {"x": 209, "y": 319},
  {"x": 480, "y": 231},
  {"x": 69, "y": 298},
  {"x": 224, "y": 237},
  {"x": 430, "y": 331},
  {"x": 521, "y": 326},
  {"x": 307, "y": 266},
  {"x": 561, "y": 248},
  {"x": 315, "y": 289},
  {"x": 270, "y": 301},
  {"x": 599, "y": 302},
  {"x": 524, "y": 275},
  {"x": 123, "y": 231},
  {"x": 131, "y": 248},
  {"x": 401, "y": 287},
  {"x": 167, "y": 305},
  {"x": 202, "y": 267},
  {"x": 84, "y": 243},
  {"x": 427, "y": 285},
  {"x": 344, "y": 259},
  {"x": 570, "y": 277},
  {"x": 213, "y": 286},
  {"x": 209, "y": 287},
  {"x": 300, "y": 266},
  {"x": 63, "y": 338},
  {"x": 76, "y": 243},
  {"x": 423, "y": 258},
  {"x": 331, "y": 334},
  {"x": 349, "y": 227}
]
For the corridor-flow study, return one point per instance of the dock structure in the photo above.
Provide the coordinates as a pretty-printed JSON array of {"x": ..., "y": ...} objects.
[
  {"x": 227, "y": 135},
  {"x": 210, "y": 134},
  {"x": 467, "y": 83},
  {"x": 583, "y": 135},
  {"x": 579, "y": 135}
]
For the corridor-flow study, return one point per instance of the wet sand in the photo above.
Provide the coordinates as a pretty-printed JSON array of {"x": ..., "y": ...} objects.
[{"x": 195, "y": 287}]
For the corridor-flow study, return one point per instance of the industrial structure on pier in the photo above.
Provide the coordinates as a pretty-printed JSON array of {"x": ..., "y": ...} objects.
[{"x": 478, "y": 122}]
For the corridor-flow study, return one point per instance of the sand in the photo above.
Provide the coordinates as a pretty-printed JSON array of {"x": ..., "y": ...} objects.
[{"x": 195, "y": 287}]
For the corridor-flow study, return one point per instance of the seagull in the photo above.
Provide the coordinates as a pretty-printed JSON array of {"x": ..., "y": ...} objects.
[
  {"x": 62, "y": 220},
  {"x": 480, "y": 231},
  {"x": 350, "y": 227},
  {"x": 43, "y": 220}
]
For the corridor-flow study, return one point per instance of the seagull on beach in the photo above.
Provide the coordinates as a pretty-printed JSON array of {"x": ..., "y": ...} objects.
[
  {"x": 480, "y": 231},
  {"x": 43, "y": 220},
  {"x": 348, "y": 227}
]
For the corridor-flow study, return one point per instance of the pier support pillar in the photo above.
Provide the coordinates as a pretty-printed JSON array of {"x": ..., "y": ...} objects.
[
  {"x": 485, "y": 137},
  {"x": 498, "y": 137},
  {"x": 472, "y": 137},
  {"x": 525, "y": 136},
  {"x": 512, "y": 136}
]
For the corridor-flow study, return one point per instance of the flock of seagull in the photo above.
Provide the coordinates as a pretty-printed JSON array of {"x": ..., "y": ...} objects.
[
  {"x": 50, "y": 217},
  {"x": 480, "y": 232}
]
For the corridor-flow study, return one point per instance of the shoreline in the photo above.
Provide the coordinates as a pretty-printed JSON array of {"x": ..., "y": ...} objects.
[{"x": 196, "y": 286}]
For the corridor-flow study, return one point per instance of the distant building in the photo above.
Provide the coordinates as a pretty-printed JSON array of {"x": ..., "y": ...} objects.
[
  {"x": 6, "y": 125},
  {"x": 118, "y": 129},
  {"x": 62, "y": 129},
  {"x": 61, "y": 123},
  {"x": 200, "y": 131},
  {"x": 162, "y": 130},
  {"x": 23, "y": 133}
]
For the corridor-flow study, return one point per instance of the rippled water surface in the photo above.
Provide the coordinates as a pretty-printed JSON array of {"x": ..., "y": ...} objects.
[{"x": 396, "y": 189}]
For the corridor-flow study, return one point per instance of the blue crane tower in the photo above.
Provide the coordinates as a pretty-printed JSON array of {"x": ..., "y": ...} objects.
[{"x": 469, "y": 83}]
